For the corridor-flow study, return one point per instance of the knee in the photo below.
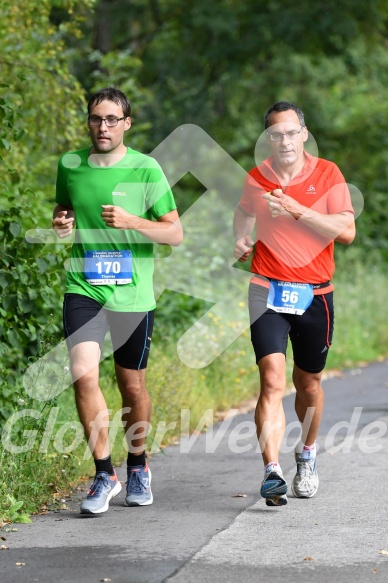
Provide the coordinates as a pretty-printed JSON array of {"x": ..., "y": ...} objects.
[
  {"x": 133, "y": 391},
  {"x": 308, "y": 384},
  {"x": 84, "y": 376},
  {"x": 272, "y": 385}
]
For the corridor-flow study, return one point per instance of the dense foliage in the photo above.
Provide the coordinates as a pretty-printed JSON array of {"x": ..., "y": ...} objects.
[
  {"x": 40, "y": 112},
  {"x": 221, "y": 64}
]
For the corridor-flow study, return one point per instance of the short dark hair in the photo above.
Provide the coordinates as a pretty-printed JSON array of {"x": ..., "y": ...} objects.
[
  {"x": 283, "y": 106},
  {"x": 110, "y": 94}
]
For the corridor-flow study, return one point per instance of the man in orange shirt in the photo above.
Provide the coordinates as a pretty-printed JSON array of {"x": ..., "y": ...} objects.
[{"x": 300, "y": 205}]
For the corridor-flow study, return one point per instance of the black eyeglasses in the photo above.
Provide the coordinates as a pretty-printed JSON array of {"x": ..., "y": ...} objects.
[{"x": 111, "y": 121}]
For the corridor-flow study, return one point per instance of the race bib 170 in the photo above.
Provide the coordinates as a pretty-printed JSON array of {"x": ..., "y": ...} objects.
[{"x": 108, "y": 267}]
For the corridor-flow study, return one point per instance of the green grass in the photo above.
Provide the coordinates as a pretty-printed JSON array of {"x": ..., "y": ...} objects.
[{"x": 361, "y": 316}]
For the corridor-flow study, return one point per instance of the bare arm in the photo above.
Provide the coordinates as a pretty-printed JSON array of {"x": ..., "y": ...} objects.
[
  {"x": 339, "y": 227},
  {"x": 243, "y": 226},
  {"x": 63, "y": 221},
  {"x": 166, "y": 230},
  {"x": 336, "y": 227}
]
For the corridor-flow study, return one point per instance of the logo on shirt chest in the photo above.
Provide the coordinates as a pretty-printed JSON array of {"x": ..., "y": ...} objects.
[
  {"x": 117, "y": 193},
  {"x": 311, "y": 189}
]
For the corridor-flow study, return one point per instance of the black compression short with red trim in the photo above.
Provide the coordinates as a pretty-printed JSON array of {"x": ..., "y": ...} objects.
[{"x": 310, "y": 333}]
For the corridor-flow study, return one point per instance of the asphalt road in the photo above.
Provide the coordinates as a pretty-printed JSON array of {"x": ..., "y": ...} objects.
[{"x": 208, "y": 524}]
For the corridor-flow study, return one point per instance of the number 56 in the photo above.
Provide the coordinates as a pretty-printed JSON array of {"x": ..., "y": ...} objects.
[{"x": 288, "y": 296}]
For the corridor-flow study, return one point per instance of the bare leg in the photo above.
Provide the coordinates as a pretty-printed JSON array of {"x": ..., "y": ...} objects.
[
  {"x": 308, "y": 406},
  {"x": 269, "y": 417},
  {"x": 91, "y": 404},
  {"x": 136, "y": 398},
  {"x": 308, "y": 403}
]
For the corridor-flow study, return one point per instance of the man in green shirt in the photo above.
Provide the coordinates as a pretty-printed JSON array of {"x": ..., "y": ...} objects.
[{"x": 121, "y": 204}]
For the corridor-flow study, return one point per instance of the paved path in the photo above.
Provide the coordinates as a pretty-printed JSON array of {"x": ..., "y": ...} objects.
[{"x": 198, "y": 530}]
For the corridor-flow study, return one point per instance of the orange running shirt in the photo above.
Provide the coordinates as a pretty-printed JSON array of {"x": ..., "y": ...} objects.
[{"x": 286, "y": 249}]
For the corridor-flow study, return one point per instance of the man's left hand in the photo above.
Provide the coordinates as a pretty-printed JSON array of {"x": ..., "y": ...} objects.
[{"x": 118, "y": 218}]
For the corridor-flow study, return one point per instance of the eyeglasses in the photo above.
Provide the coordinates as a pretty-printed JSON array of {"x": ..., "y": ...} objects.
[
  {"x": 291, "y": 135},
  {"x": 111, "y": 121}
]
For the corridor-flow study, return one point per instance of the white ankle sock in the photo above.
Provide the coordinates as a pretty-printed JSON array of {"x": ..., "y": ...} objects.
[
  {"x": 308, "y": 452},
  {"x": 272, "y": 467}
]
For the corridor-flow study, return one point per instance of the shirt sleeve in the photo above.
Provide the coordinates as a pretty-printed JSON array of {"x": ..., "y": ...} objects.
[
  {"x": 338, "y": 195},
  {"x": 160, "y": 199}
]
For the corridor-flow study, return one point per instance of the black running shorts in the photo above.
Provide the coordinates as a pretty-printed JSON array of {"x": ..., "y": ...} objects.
[
  {"x": 310, "y": 334},
  {"x": 84, "y": 319}
]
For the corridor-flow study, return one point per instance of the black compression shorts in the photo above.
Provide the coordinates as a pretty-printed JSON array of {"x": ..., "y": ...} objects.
[
  {"x": 310, "y": 334},
  {"x": 84, "y": 319}
]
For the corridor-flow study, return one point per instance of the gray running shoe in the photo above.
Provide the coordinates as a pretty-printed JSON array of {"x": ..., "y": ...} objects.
[
  {"x": 103, "y": 489},
  {"x": 305, "y": 483},
  {"x": 139, "y": 486}
]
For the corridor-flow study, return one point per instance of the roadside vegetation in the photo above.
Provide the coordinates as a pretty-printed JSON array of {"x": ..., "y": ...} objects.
[
  {"x": 43, "y": 476},
  {"x": 53, "y": 56}
]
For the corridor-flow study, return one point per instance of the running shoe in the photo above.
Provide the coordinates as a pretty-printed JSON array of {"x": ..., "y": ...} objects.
[
  {"x": 103, "y": 489},
  {"x": 305, "y": 483},
  {"x": 274, "y": 489},
  {"x": 139, "y": 486}
]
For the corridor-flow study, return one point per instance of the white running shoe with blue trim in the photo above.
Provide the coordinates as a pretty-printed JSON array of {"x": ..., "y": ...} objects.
[{"x": 305, "y": 483}]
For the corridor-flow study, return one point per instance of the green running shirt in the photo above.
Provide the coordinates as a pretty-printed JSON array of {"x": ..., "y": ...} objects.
[{"x": 137, "y": 184}]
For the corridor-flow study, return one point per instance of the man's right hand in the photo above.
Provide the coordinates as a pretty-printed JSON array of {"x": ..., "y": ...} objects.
[
  {"x": 243, "y": 248},
  {"x": 63, "y": 226}
]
